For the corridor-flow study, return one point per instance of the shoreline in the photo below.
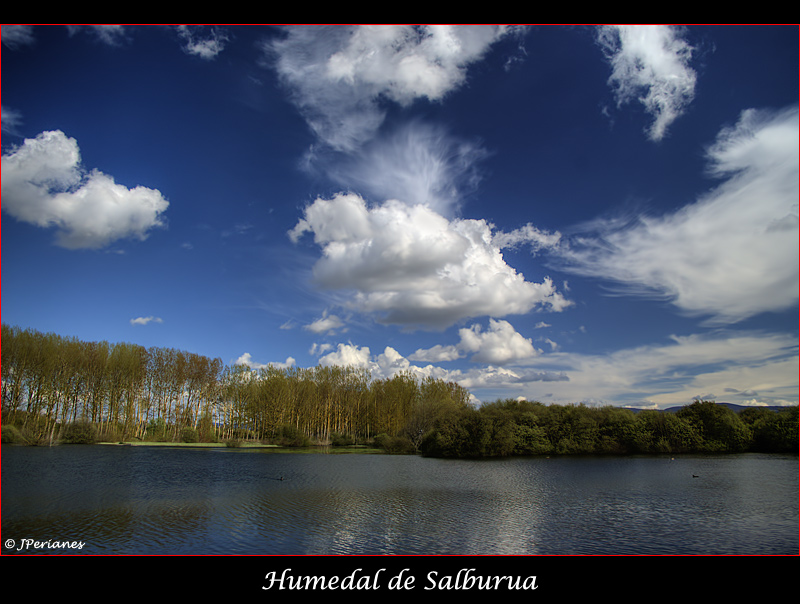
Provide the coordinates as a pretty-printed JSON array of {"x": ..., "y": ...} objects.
[
  {"x": 153, "y": 443},
  {"x": 327, "y": 449}
]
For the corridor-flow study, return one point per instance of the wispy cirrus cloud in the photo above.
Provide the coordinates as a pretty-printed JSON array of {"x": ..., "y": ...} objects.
[
  {"x": 715, "y": 365},
  {"x": 650, "y": 64},
  {"x": 11, "y": 120},
  {"x": 340, "y": 76},
  {"x": 417, "y": 163},
  {"x": 111, "y": 34},
  {"x": 729, "y": 255},
  {"x": 17, "y": 36},
  {"x": 199, "y": 41}
]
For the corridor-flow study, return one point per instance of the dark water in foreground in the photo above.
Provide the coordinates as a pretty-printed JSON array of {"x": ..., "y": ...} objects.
[{"x": 153, "y": 500}]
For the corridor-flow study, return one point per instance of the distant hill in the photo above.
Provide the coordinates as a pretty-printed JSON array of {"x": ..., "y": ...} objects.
[{"x": 732, "y": 406}]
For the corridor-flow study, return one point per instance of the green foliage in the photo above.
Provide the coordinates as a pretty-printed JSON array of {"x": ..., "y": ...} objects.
[
  {"x": 775, "y": 432},
  {"x": 79, "y": 433},
  {"x": 290, "y": 436},
  {"x": 341, "y": 440},
  {"x": 109, "y": 433},
  {"x": 12, "y": 435},
  {"x": 156, "y": 430},
  {"x": 522, "y": 428},
  {"x": 189, "y": 435},
  {"x": 205, "y": 429},
  {"x": 394, "y": 444},
  {"x": 718, "y": 428},
  {"x": 126, "y": 391}
]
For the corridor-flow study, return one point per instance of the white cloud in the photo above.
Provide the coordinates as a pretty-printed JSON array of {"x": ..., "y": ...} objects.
[
  {"x": 348, "y": 355},
  {"x": 437, "y": 354},
  {"x": 10, "y": 121},
  {"x": 730, "y": 255},
  {"x": 749, "y": 368},
  {"x": 500, "y": 344},
  {"x": 247, "y": 360},
  {"x": 326, "y": 324},
  {"x": 413, "y": 267},
  {"x": 111, "y": 34},
  {"x": 650, "y": 63},
  {"x": 384, "y": 365},
  {"x": 15, "y": 36},
  {"x": 340, "y": 75},
  {"x": 198, "y": 43},
  {"x": 417, "y": 163},
  {"x": 528, "y": 234},
  {"x": 146, "y": 320},
  {"x": 390, "y": 362},
  {"x": 43, "y": 184},
  {"x": 674, "y": 373},
  {"x": 317, "y": 349}
]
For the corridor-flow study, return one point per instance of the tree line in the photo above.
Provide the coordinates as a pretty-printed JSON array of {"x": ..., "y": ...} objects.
[
  {"x": 57, "y": 387},
  {"x": 512, "y": 427},
  {"x": 62, "y": 388}
]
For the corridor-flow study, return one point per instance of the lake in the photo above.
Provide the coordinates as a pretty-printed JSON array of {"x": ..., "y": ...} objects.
[{"x": 171, "y": 500}]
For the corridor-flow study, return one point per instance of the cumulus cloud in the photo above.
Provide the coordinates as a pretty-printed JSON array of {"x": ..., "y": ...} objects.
[
  {"x": 500, "y": 344},
  {"x": 44, "y": 184},
  {"x": 437, "y": 354},
  {"x": 146, "y": 320},
  {"x": 381, "y": 366},
  {"x": 650, "y": 63},
  {"x": 413, "y": 267},
  {"x": 753, "y": 367},
  {"x": 483, "y": 378},
  {"x": 348, "y": 355},
  {"x": 246, "y": 359},
  {"x": 340, "y": 76},
  {"x": 731, "y": 254},
  {"x": 326, "y": 324}
]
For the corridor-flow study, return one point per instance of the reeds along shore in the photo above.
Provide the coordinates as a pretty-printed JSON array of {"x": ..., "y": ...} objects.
[{"x": 63, "y": 389}]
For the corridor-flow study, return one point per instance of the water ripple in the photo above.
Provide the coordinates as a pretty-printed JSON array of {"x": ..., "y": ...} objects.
[{"x": 177, "y": 501}]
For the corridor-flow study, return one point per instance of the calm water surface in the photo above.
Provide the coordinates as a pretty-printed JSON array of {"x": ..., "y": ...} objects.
[{"x": 153, "y": 500}]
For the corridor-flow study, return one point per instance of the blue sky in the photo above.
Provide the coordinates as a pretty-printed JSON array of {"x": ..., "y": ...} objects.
[{"x": 606, "y": 215}]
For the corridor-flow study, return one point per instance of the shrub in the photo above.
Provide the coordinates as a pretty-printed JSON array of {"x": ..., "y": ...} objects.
[
  {"x": 156, "y": 430},
  {"x": 394, "y": 444},
  {"x": 189, "y": 435},
  {"x": 290, "y": 436},
  {"x": 110, "y": 434},
  {"x": 79, "y": 433},
  {"x": 12, "y": 435},
  {"x": 341, "y": 440}
]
